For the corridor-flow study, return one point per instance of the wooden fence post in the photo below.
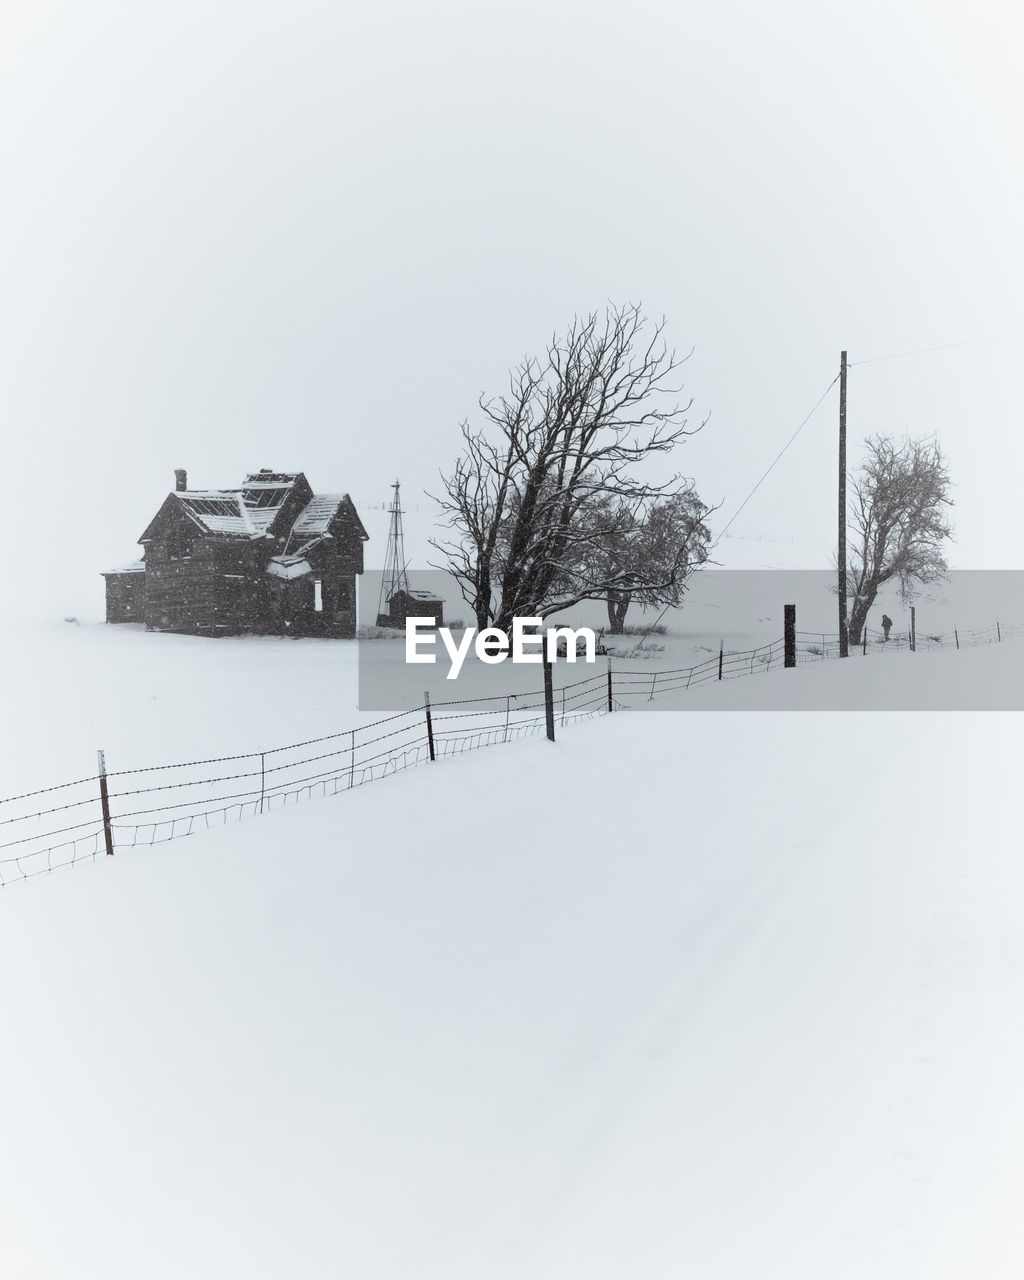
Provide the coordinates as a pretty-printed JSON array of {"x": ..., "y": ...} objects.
[
  {"x": 108, "y": 834},
  {"x": 999, "y": 632},
  {"x": 789, "y": 614},
  {"x": 549, "y": 701},
  {"x": 956, "y": 637},
  {"x": 263, "y": 778},
  {"x": 352, "y": 761},
  {"x": 721, "y": 655},
  {"x": 865, "y": 637},
  {"x": 430, "y": 724},
  {"x": 913, "y": 629},
  {"x": 610, "y": 707}
]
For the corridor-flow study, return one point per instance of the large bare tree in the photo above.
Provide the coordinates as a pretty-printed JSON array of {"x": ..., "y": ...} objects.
[
  {"x": 899, "y": 521},
  {"x": 523, "y": 502}
]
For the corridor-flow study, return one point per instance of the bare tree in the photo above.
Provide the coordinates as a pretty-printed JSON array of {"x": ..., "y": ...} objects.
[
  {"x": 899, "y": 521},
  {"x": 652, "y": 553},
  {"x": 523, "y": 500}
]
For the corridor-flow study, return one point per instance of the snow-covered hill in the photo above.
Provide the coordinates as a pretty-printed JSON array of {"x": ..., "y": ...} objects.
[{"x": 683, "y": 994}]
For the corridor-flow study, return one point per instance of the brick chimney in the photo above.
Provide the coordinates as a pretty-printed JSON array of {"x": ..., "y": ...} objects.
[{"x": 180, "y": 480}]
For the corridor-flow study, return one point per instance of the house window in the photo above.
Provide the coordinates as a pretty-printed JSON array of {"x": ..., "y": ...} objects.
[
  {"x": 179, "y": 546},
  {"x": 318, "y": 595}
]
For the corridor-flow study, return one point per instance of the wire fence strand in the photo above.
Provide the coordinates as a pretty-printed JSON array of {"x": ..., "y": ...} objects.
[{"x": 169, "y": 802}]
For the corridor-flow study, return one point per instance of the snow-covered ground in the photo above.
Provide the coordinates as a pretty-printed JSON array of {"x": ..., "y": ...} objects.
[
  {"x": 683, "y": 994},
  {"x": 149, "y": 698}
]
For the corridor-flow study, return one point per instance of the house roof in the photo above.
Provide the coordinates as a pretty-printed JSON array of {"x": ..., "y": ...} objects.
[
  {"x": 271, "y": 479},
  {"x": 226, "y": 512},
  {"x": 288, "y": 567},
  {"x": 315, "y": 518},
  {"x": 251, "y": 510},
  {"x": 418, "y": 595},
  {"x": 134, "y": 566}
]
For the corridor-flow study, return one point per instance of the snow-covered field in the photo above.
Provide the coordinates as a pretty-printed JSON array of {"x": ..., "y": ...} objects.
[
  {"x": 683, "y": 994},
  {"x": 148, "y": 698}
]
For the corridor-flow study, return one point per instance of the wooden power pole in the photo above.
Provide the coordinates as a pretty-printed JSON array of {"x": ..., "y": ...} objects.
[{"x": 844, "y": 631}]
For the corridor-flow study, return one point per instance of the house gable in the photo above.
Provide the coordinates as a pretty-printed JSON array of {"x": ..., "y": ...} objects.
[
  {"x": 171, "y": 518},
  {"x": 347, "y": 517}
]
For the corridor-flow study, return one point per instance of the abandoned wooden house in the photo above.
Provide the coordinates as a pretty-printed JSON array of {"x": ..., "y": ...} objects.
[{"x": 270, "y": 557}]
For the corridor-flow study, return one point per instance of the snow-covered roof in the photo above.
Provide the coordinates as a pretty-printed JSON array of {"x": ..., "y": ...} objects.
[
  {"x": 289, "y": 567},
  {"x": 250, "y": 510},
  {"x": 419, "y": 595},
  {"x": 134, "y": 566},
  {"x": 247, "y": 512},
  {"x": 242, "y": 513},
  {"x": 271, "y": 479},
  {"x": 317, "y": 514},
  {"x": 221, "y": 511}
]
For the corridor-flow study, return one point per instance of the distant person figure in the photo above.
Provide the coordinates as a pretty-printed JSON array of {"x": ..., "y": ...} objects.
[{"x": 886, "y": 625}]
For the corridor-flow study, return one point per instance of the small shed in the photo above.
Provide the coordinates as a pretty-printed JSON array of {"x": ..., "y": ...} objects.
[
  {"x": 412, "y": 604},
  {"x": 126, "y": 592}
]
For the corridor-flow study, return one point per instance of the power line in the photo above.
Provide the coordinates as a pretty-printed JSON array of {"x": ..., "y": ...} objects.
[
  {"x": 776, "y": 460},
  {"x": 732, "y": 518},
  {"x": 897, "y": 355},
  {"x": 942, "y": 346}
]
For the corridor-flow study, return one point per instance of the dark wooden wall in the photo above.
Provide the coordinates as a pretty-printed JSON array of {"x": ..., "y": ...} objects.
[
  {"x": 126, "y": 597},
  {"x": 199, "y": 583}
]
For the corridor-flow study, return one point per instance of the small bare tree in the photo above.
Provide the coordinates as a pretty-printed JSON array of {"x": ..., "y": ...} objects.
[
  {"x": 524, "y": 501},
  {"x": 899, "y": 521}
]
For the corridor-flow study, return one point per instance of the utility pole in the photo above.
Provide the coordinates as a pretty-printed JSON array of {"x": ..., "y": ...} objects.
[{"x": 844, "y": 632}]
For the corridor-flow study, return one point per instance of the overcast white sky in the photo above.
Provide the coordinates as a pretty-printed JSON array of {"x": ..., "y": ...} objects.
[{"x": 308, "y": 236}]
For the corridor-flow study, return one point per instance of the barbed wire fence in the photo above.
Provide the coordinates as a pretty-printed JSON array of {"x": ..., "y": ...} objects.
[{"x": 62, "y": 825}]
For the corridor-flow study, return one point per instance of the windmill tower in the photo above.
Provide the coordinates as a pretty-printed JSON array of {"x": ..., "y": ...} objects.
[
  {"x": 397, "y": 600},
  {"x": 394, "y": 578}
]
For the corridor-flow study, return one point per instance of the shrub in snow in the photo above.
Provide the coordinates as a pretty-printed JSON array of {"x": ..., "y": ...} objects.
[{"x": 379, "y": 633}]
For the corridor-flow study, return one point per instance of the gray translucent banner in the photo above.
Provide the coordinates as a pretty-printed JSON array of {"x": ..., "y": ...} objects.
[{"x": 957, "y": 645}]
